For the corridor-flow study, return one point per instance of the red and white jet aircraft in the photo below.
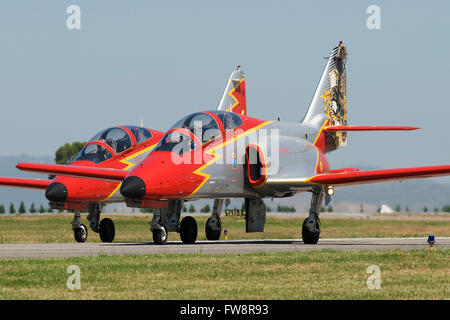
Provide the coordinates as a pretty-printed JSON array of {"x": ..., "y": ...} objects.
[
  {"x": 221, "y": 154},
  {"x": 119, "y": 147},
  {"x": 113, "y": 152}
]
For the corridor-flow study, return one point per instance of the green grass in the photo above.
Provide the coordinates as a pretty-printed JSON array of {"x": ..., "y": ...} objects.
[
  {"x": 57, "y": 228},
  {"x": 325, "y": 274}
]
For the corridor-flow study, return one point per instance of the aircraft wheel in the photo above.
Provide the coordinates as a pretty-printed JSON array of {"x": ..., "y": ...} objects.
[
  {"x": 80, "y": 233},
  {"x": 213, "y": 231},
  {"x": 188, "y": 230},
  {"x": 107, "y": 230},
  {"x": 308, "y": 236},
  {"x": 160, "y": 235}
]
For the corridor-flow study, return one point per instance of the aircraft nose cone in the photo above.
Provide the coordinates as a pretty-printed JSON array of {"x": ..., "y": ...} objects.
[
  {"x": 56, "y": 192},
  {"x": 133, "y": 188}
]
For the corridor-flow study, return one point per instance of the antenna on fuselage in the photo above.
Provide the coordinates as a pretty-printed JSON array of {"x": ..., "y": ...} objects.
[{"x": 142, "y": 123}]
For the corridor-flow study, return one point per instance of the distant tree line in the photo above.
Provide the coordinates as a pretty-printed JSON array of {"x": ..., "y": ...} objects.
[
  {"x": 281, "y": 208},
  {"x": 327, "y": 209},
  {"x": 22, "y": 209},
  {"x": 425, "y": 209}
]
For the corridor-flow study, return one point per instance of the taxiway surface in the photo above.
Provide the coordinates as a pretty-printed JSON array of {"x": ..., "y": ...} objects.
[{"x": 62, "y": 250}]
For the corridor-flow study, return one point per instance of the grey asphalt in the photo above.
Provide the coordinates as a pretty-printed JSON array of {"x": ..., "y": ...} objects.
[{"x": 63, "y": 250}]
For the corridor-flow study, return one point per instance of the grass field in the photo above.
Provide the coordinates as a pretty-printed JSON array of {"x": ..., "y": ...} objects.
[
  {"x": 417, "y": 274},
  {"x": 326, "y": 274},
  {"x": 57, "y": 228}
]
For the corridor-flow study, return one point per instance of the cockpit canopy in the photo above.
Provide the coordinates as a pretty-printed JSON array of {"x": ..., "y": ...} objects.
[
  {"x": 93, "y": 152},
  {"x": 197, "y": 128},
  {"x": 109, "y": 142},
  {"x": 140, "y": 134}
]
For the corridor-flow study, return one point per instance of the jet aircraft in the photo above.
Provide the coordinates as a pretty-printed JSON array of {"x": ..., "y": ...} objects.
[
  {"x": 120, "y": 147},
  {"x": 221, "y": 154}
]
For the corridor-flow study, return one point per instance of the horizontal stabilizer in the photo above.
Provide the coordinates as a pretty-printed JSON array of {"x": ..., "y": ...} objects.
[
  {"x": 25, "y": 183},
  {"x": 75, "y": 171},
  {"x": 367, "y": 128}
]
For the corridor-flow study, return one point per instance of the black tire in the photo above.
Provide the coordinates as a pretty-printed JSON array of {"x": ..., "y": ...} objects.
[
  {"x": 158, "y": 236},
  {"x": 188, "y": 230},
  {"x": 307, "y": 236},
  {"x": 107, "y": 230},
  {"x": 213, "y": 234},
  {"x": 80, "y": 234}
]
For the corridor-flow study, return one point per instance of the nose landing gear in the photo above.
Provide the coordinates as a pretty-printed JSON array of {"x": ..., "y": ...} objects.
[
  {"x": 80, "y": 232},
  {"x": 105, "y": 228},
  {"x": 168, "y": 220},
  {"x": 159, "y": 234}
]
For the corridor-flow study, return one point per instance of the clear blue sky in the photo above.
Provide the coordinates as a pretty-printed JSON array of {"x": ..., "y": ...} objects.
[{"x": 159, "y": 60}]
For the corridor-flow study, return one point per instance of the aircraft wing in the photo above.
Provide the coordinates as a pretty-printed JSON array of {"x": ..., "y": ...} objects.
[
  {"x": 354, "y": 177},
  {"x": 25, "y": 183},
  {"x": 75, "y": 171}
]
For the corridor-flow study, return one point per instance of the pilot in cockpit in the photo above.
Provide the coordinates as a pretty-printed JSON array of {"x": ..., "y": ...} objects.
[
  {"x": 110, "y": 142},
  {"x": 101, "y": 154}
]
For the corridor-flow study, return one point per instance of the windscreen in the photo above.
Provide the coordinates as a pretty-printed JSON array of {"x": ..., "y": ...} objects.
[
  {"x": 93, "y": 152},
  {"x": 202, "y": 125},
  {"x": 177, "y": 142}
]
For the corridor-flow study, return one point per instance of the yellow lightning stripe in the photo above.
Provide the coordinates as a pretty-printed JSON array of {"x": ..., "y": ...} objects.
[
  {"x": 320, "y": 131},
  {"x": 217, "y": 157},
  {"x": 129, "y": 166},
  {"x": 231, "y": 95},
  {"x": 317, "y": 150}
]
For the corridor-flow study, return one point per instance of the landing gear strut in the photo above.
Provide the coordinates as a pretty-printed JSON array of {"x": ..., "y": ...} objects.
[
  {"x": 160, "y": 235},
  {"x": 213, "y": 226},
  {"x": 310, "y": 228},
  {"x": 167, "y": 220},
  {"x": 80, "y": 232},
  {"x": 105, "y": 228}
]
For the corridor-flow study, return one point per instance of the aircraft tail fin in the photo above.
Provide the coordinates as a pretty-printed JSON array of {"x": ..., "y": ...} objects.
[
  {"x": 233, "y": 98},
  {"x": 329, "y": 104}
]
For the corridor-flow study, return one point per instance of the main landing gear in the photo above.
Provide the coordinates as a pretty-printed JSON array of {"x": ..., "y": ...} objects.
[
  {"x": 188, "y": 230},
  {"x": 213, "y": 227},
  {"x": 310, "y": 228},
  {"x": 105, "y": 228}
]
